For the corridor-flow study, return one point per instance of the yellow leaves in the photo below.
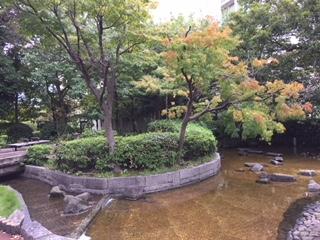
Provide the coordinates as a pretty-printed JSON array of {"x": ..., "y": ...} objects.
[
  {"x": 286, "y": 112},
  {"x": 174, "y": 112},
  {"x": 215, "y": 101},
  {"x": 251, "y": 85},
  {"x": 275, "y": 86},
  {"x": 170, "y": 56},
  {"x": 149, "y": 84},
  {"x": 292, "y": 90},
  {"x": 260, "y": 63},
  {"x": 237, "y": 116}
]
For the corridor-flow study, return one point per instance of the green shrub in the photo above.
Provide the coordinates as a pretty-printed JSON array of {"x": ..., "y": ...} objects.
[
  {"x": 19, "y": 130},
  {"x": 144, "y": 151},
  {"x": 138, "y": 152},
  {"x": 91, "y": 133},
  {"x": 3, "y": 140},
  {"x": 164, "y": 126},
  {"x": 81, "y": 154},
  {"x": 39, "y": 154},
  {"x": 199, "y": 142}
]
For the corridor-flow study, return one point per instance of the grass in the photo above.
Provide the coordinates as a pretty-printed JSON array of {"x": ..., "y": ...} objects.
[{"x": 8, "y": 202}]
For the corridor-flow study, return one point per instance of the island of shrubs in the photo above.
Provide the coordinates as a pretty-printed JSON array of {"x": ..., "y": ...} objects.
[{"x": 150, "y": 151}]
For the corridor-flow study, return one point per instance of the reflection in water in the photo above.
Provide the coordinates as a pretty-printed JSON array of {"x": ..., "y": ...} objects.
[{"x": 230, "y": 206}]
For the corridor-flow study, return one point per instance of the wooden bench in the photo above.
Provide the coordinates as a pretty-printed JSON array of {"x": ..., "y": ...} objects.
[{"x": 26, "y": 144}]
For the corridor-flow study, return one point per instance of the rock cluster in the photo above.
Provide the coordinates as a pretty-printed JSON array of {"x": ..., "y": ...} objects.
[
  {"x": 72, "y": 204},
  {"x": 307, "y": 226}
]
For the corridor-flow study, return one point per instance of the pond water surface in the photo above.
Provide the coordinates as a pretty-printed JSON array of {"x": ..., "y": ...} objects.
[{"x": 230, "y": 206}]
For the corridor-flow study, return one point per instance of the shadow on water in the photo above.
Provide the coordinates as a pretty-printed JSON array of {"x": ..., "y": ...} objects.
[{"x": 290, "y": 216}]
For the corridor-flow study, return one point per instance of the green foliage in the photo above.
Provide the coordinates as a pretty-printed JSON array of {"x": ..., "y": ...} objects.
[
  {"x": 144, "y": 151},
  {"x": 81, "y": 154},
  {"x": 147, "y": 151},
  {"x": 19, "y": 130},
  {"x": 199, "y": 140},
  {"x": 39, "y": 154},
  {"x": 3, "y": 140},
  {"x": 166, "y": 125},
  {"x": 8, "y": 202}
]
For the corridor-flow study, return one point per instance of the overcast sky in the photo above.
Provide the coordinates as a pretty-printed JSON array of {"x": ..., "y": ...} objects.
[{"x": 198, "y": 8}]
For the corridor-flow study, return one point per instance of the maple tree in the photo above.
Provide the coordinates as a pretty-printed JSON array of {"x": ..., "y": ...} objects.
[{"x": 210, "y": 80}]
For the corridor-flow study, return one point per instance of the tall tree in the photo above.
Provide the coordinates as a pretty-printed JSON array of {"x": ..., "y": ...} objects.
[{"x": 95, "y": 34}]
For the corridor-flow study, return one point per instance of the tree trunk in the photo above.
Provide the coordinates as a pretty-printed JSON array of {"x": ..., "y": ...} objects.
[
  {"x": 183, "y": 129},
  {"x": 108, "y": 110},
  {"x": 108, "y": 128},
  {"x": 16, "y": 108}
]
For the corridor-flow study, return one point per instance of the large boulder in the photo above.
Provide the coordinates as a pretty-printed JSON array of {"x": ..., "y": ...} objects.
[
  {"x": 257, "y": 168},
  {"x": 313, "y": 186},
  {"x": 56, "y": 192},
  {"x": 74, "y": 205},
  {"x": 280, "y": 177}
]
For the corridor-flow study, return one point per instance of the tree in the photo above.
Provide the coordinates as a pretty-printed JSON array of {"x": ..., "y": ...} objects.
[
  {"x": 285, "y": 30},
  {"x": 12, "y": 72},
  {"x": 51, "y": 69},
  {"x": 201, "y": 67},
  {"x": 95, "y": 34}
]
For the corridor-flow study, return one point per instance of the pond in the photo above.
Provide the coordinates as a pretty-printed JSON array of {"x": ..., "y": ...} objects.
[{"x": 230, "y": 206}]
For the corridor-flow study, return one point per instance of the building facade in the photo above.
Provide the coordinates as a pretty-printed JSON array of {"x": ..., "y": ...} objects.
[{"x": 227, "y": 7}]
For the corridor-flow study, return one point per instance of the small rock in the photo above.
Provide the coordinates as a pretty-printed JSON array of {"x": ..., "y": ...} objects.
[
  {"x": 276, "y": 163},
  {"x": 256, "y": 167},
  {"x": 56, "y": 192},
  {"x": 264, "y": 180},
  {"x": 84, "y": 196},
  {"x": 240, "y": 170},
  {"x": 249, "y": 164},
  {"x": 279, "y": 177},
  {"x": 117, "y": 170},
  {"x": 278, "y": 158},
  {"x": 307, "y": 172},
  {"x": 313, "y": 186}
]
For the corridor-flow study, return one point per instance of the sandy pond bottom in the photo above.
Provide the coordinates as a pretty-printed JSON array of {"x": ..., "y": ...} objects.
[{"x": 230, "y": 206}]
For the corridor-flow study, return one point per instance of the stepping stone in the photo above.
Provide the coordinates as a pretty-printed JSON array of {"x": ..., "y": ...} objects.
[
  {"x": 313, "y": 186},
  {"x": 276, "y": 163},
  {"x": 280, "y": 177},
  {"x": 307, "y": 172},
  {"x": 278, "y": 158},
  {"x": 257, "y": 167}
]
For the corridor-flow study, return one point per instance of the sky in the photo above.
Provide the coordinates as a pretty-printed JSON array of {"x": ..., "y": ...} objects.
[{"x": 198, "y": 8}]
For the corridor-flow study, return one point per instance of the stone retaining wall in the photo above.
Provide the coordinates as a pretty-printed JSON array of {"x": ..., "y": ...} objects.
[
  {"x": 30, "y": 230},
  {"x": 127, "y": 186}
]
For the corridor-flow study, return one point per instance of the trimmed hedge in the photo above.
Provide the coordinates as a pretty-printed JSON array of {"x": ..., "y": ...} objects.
[
  {"x": 39, "y": 154},
  {"x": 143, "y": 151},
  {"x": 18, "y": 131},
  {"x": 81, "y": 154},
  {"x": 199, "y": 142}
]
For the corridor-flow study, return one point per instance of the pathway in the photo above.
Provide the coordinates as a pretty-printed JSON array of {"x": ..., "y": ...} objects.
[{"x": 11, "y": 161}]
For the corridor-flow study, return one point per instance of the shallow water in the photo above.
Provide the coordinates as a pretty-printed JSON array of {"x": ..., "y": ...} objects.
[
  {"x": 230, "y": 206},
  {"x": 49, "y": 212}
]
